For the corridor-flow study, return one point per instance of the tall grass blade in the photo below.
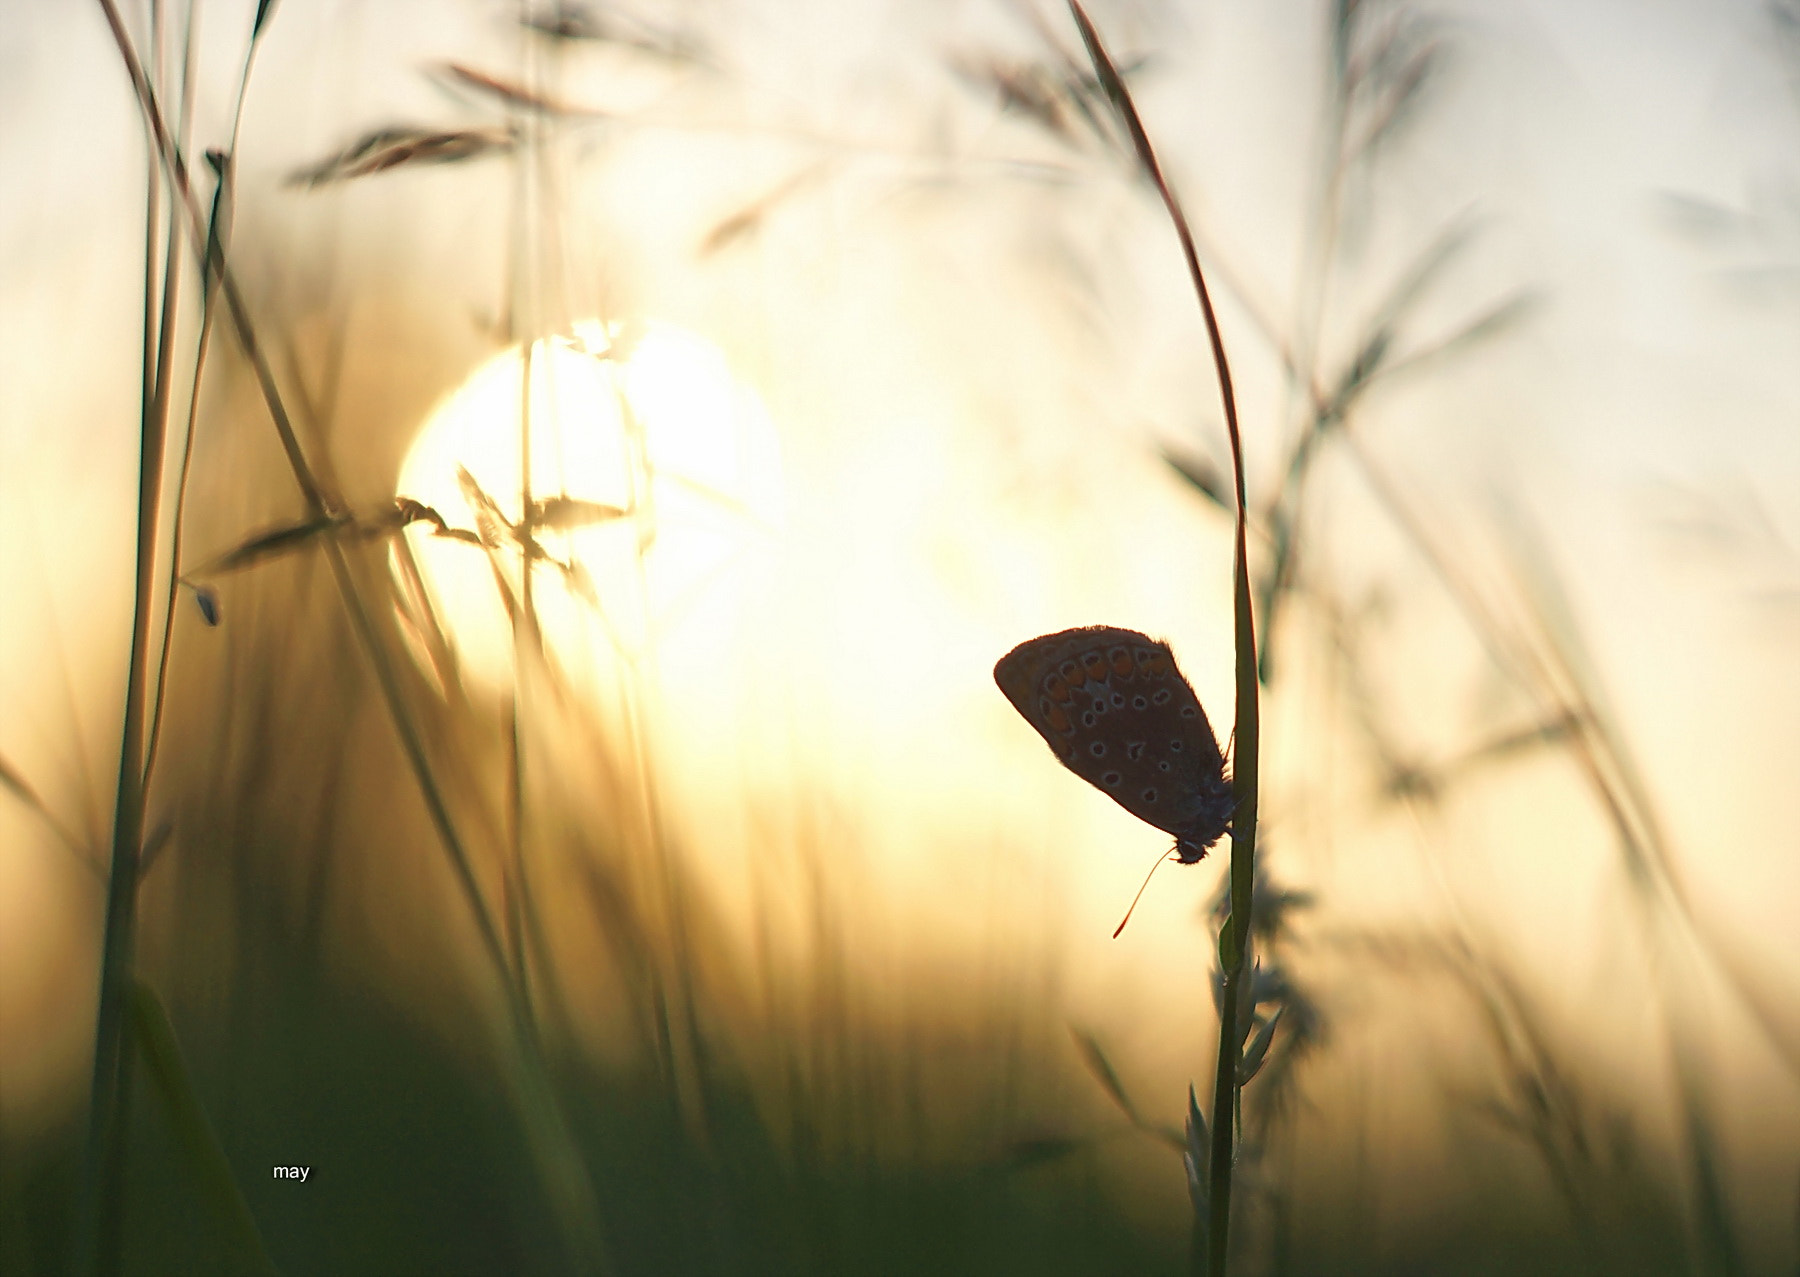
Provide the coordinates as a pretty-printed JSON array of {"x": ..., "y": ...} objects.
[
  {"x": 1202, "y": 475},
  {"x": 1097, "y": 1064},
  {"x": 1247, "y": 731},
  {"x": 155, "y": 1040},
  {"x": 565, "y": 1180},
  {"x": 101, "y": 1224},
  {"x": 1504, "y": 314},
  {"x": 13, "y": 780}
]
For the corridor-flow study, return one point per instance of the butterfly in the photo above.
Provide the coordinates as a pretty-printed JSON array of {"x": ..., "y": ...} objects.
[{"x": 1117, "y": 712}]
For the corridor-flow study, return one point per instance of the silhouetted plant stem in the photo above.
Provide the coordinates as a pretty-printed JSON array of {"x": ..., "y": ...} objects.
[
  {"x": 103, "y": 1167},
  {"x": 1234, "y": 938},
  {"x": 565, "y": 1176},
  {"x": 155, "y": 1038},
  {"x": 218, "y": 231}
]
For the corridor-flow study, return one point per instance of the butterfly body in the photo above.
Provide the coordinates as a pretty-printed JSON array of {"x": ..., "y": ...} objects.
[{"x": 1117, "y": 712}]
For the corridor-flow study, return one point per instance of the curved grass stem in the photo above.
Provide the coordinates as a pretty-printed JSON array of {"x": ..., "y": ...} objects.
[
  {"x": 1212, "y": 1231},
  {"x": 565, "y": 1174}
]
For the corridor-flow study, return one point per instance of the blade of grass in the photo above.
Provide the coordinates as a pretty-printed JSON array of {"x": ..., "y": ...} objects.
[
  {"x": 1248, "y": 724},
  {"x": 565, "y": 1176},
  {"x": 13, "y": 779},
  {"x": 218, "y": 223},
  {"x": 155, "y": 1038},
  {"x": 1095, "y": 1059},
  {"x": 392, "y": 147},
  {"x": 102, "y": 1195}
]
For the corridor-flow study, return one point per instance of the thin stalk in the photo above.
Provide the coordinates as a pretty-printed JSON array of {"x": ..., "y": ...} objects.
[
  {"x": 318, "y": 505},
  {"x": 565, "y": 1176},
  {"x": 102, "y": 1214},
  {"x": 680, "y": 1020},
  {"x": 526, "y": 634},
  {"x": 523, "y": 311},
  {"x": 206, "y": 1157},
  {"x": 523, "y": 641},
  {"x": 218, "y": 229},
  {"x": 1315, "y": 274},
  {"x": 1302, "y": 357},
  {"x": 165, "y": 356},
  {"x": 515, "y": 903},
  {"x": 1215, "y": 1229}
]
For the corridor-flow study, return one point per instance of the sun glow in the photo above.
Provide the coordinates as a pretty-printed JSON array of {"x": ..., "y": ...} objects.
[{"x": 653, "y": 489}]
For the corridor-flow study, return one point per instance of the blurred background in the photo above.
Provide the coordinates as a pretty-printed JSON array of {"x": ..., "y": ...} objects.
[{"x": 589, "y": 836}]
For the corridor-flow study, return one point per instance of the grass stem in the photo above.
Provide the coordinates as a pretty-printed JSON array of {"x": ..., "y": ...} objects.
[
  {"x": 1235, "y": 940},
  {"x": 102, "y": 1211},
  {"x": 565, "y": 1176}
]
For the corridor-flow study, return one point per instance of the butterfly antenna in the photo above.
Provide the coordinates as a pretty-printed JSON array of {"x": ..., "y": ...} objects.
[{"x": 1140, "y": 894}]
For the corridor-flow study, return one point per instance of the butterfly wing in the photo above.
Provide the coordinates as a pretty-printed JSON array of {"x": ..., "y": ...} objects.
[{"x": 1117, "y": 712}]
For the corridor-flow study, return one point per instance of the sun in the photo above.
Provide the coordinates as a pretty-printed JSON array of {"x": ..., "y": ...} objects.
[{"x": 654, "y": 489}]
